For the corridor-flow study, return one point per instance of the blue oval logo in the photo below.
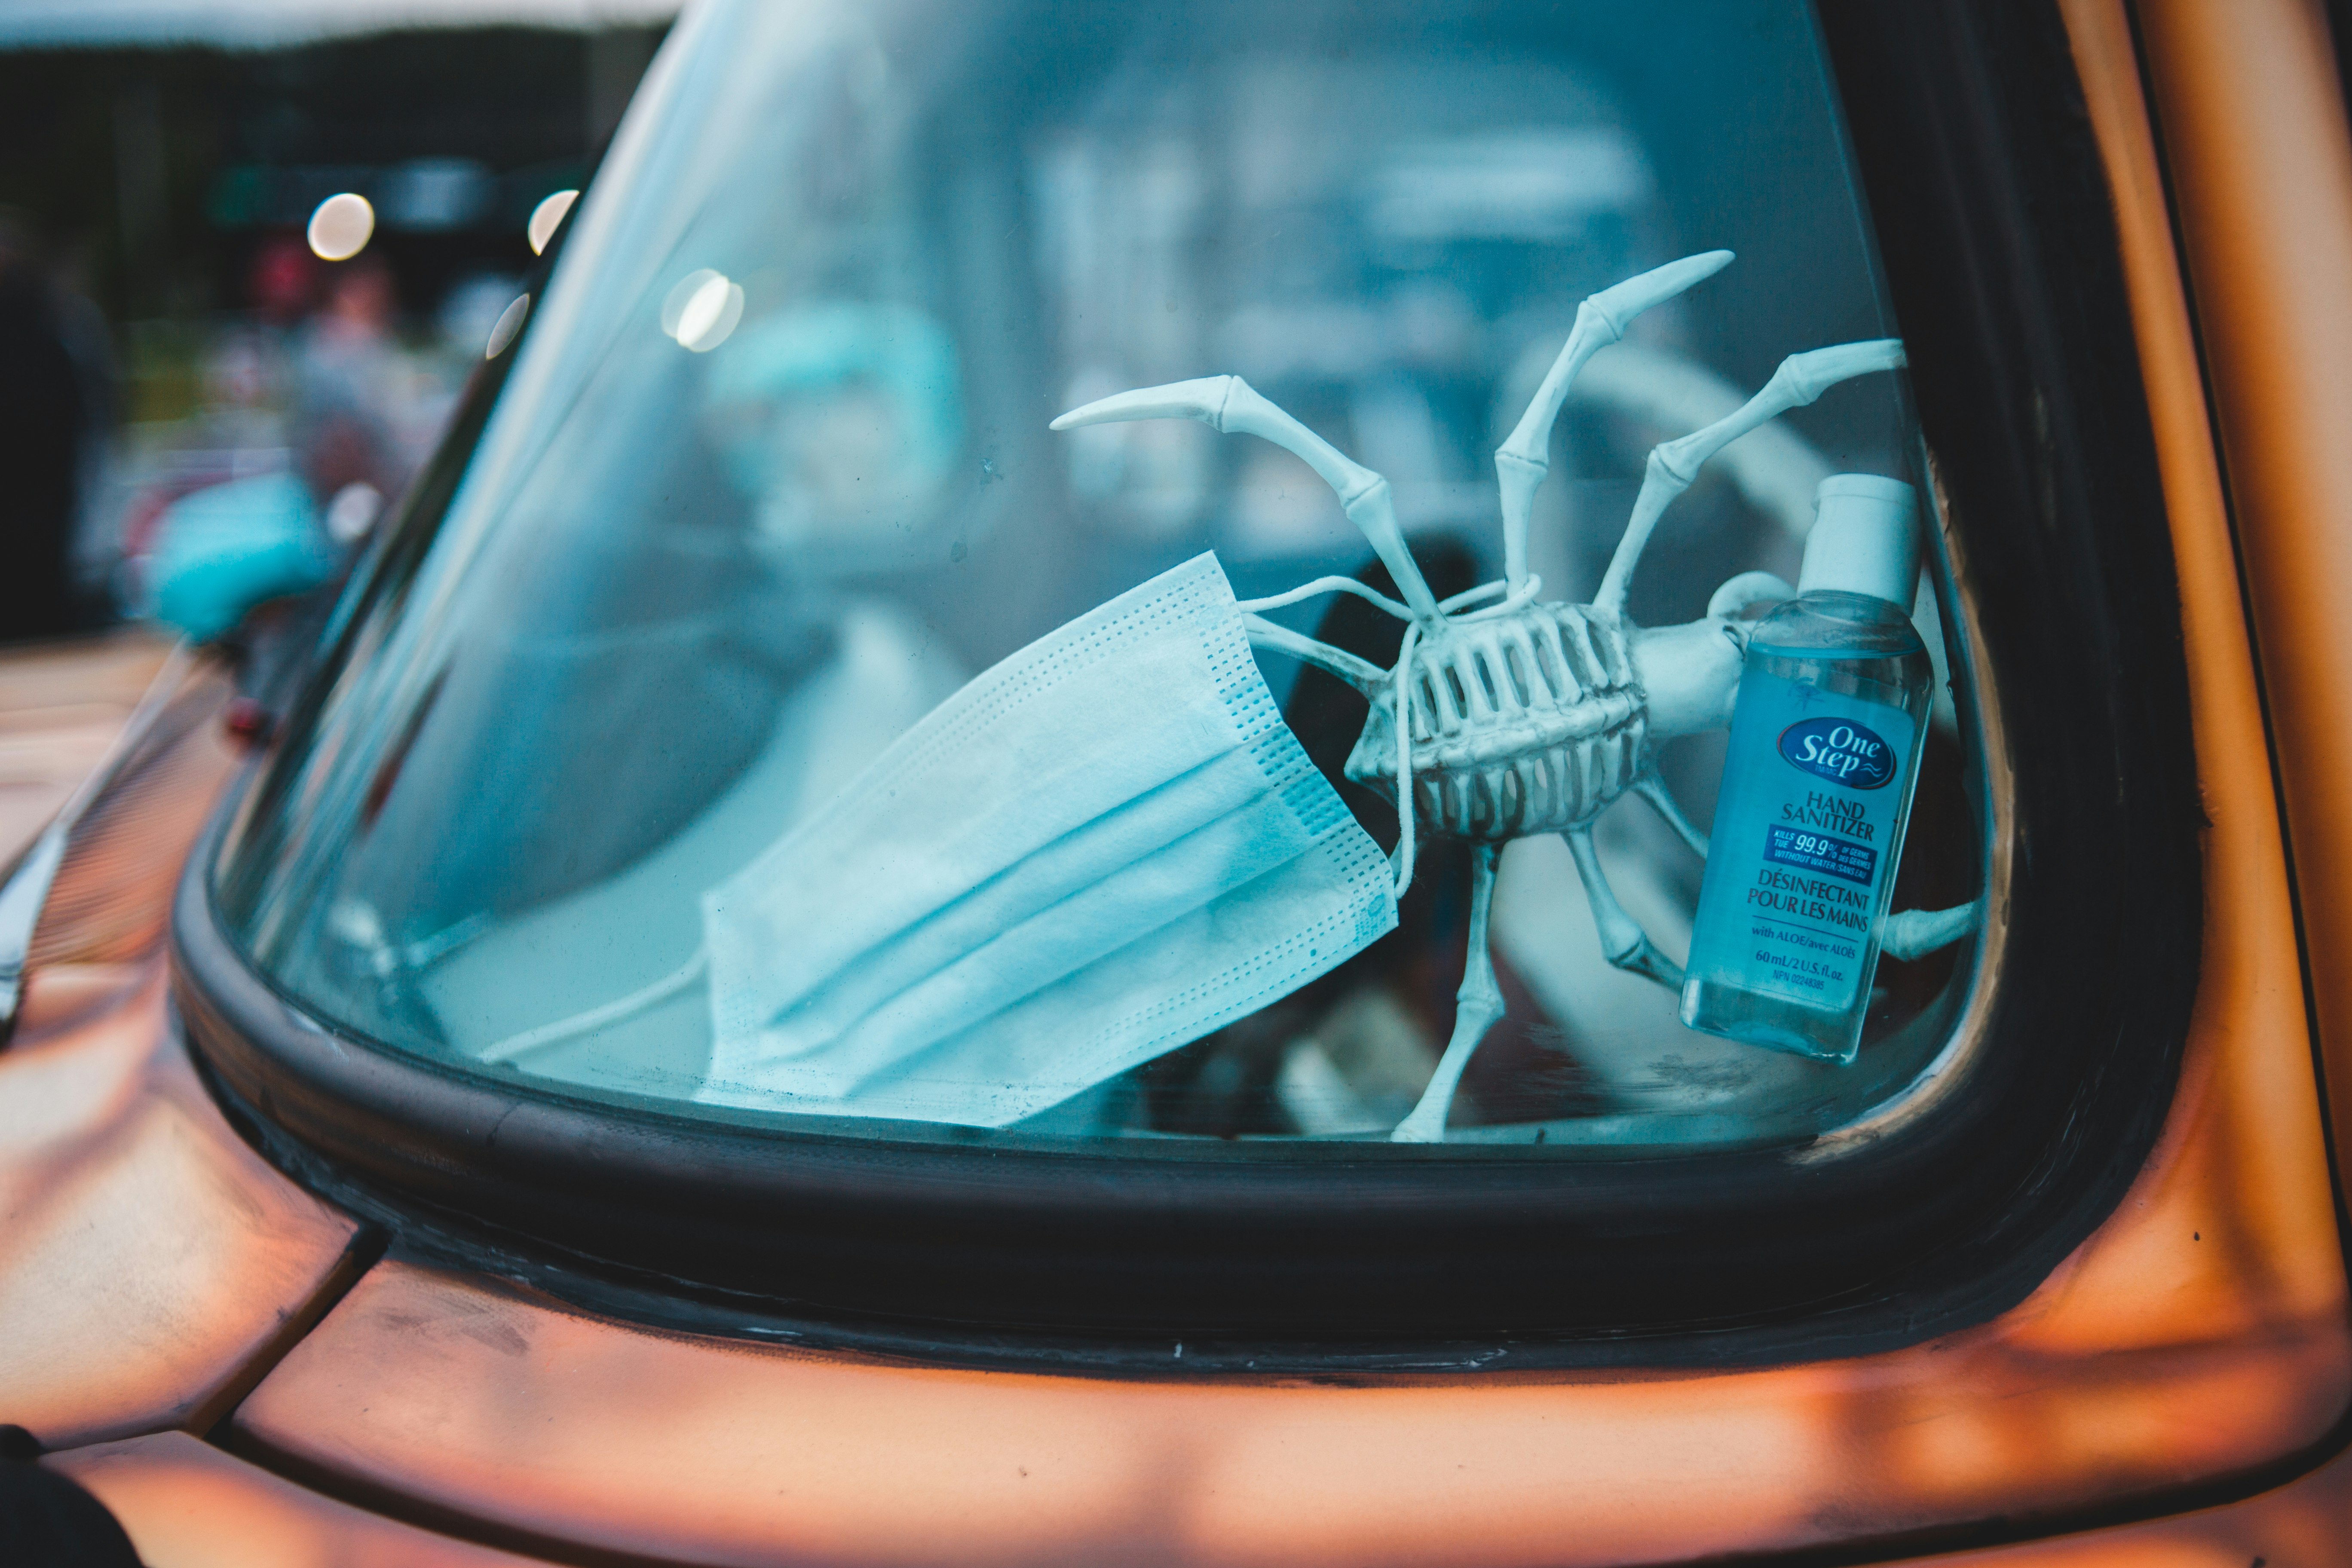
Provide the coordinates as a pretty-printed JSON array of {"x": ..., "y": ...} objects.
[{"x": 1840, "y": 751}]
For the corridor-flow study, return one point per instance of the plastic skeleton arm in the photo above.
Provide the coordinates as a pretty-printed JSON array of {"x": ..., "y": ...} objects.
[
  {"x": 1360, "y": 673},
  {"x": 1651, "y": 787},
  {"x": 1227, "y": 404},
  {"x": 1477, "y": 1007},
  {"x": 1522, "y": 461},
  {"x": 1915, "y": 934},
  {"x": 1674, "y": 465}
]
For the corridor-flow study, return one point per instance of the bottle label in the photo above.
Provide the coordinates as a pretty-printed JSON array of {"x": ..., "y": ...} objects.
[{"x": 1807, "y": 827}]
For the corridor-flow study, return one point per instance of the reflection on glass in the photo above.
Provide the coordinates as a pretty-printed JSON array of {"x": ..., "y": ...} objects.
[
  {"x": 504, "y": 331},
  {"x": 680, "y": 599},
  {"x": 702, "y": 310}
]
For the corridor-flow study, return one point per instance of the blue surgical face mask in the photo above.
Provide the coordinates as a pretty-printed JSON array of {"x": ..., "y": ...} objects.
[{"x": 1102, "y": 848}]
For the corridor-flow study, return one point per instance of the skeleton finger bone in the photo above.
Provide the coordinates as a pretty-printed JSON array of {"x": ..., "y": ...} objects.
[
  {"x": 1228, "y": 404},
  {"x": 1362, "y": 674},
  {"x": 1477, "y": 1007},
  {"x": 1401, "y": 704},
  {"x": 1521, "y": 462},
  {"x": 1623, "y": 941},
  {"x": 1653, "y": 788},
  {"x": 1672, "y": 465},
  {"x": 1322, "y": 585},
  {"x": 1748, "y": 588},
  {"x": 1775, "y": 470},
  {"x": 1915, "y": 934}
]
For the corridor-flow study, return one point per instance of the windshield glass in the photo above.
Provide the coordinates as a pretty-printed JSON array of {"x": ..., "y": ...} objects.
[{"x": 779, "y": 720}]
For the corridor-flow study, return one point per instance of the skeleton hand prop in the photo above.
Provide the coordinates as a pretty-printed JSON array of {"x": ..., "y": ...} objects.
[{"x": 1508, "y": 716}]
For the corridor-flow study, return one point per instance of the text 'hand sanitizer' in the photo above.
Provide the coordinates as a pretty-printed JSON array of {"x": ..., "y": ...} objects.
[{"x": 1817, "y": 787}]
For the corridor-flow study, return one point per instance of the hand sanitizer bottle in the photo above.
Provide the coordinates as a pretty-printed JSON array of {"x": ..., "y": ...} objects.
[{"x": 1817, "y": 787}]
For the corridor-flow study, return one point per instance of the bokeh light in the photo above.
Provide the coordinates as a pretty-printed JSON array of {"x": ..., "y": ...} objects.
[
  {"x": 341, "y": 226},
  {"x": 673, "y": 303},
  {"x": 546, "y": 218},
  {"x": 352, "y": 511},
  {"x": 702, "y": 310},
  {"x": 509, "y": 323}
]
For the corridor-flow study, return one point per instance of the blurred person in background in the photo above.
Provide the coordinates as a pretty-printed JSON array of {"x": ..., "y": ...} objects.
[
  {"x": 56, "y": 411},
  {"x": 357, "y": 415},
  {"x": 352, "y": 385}
]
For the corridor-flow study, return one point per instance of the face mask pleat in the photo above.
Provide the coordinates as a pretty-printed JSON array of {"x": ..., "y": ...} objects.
[{"x": 1103, "y": 847}]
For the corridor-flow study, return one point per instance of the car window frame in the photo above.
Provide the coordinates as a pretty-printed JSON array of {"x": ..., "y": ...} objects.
[{"x": 1943, "y": 1208}]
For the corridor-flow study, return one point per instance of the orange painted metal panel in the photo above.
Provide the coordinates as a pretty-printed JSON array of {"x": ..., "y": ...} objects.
[
  {"x": 61, "y": 707},
  {"x": 2306, "y": 1524},
  {"x": 2255, "y": 128},
  {"x": 2264, "y": 1131},
  {"x": 2261, "y": 162},
  {"x": 148, "y": 1256},
  {"x": 102, "y": 922},
  {"x": 495, "y": 1404},
  {"x": 2202, "y": 1331},
  {"x": 185, "y": 1504}
]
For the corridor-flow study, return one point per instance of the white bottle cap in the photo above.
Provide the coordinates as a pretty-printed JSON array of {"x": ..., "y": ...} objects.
[{"x": 1865, "y": 540}]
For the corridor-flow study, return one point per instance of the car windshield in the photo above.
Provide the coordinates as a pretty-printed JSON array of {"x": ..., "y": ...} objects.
[{"x": 774, "y": 719}]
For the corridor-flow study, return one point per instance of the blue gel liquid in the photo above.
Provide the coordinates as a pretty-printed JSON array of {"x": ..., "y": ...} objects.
[{"x": 1808, "y": 826}]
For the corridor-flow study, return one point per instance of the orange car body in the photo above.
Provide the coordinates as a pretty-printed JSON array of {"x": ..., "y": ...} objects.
[{"x": 219, "y": 1356}]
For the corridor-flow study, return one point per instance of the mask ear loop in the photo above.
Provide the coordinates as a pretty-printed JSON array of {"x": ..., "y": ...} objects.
[
  {"x": 1404, "y": 757},
  {"x": 579, "y": 1023}
]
